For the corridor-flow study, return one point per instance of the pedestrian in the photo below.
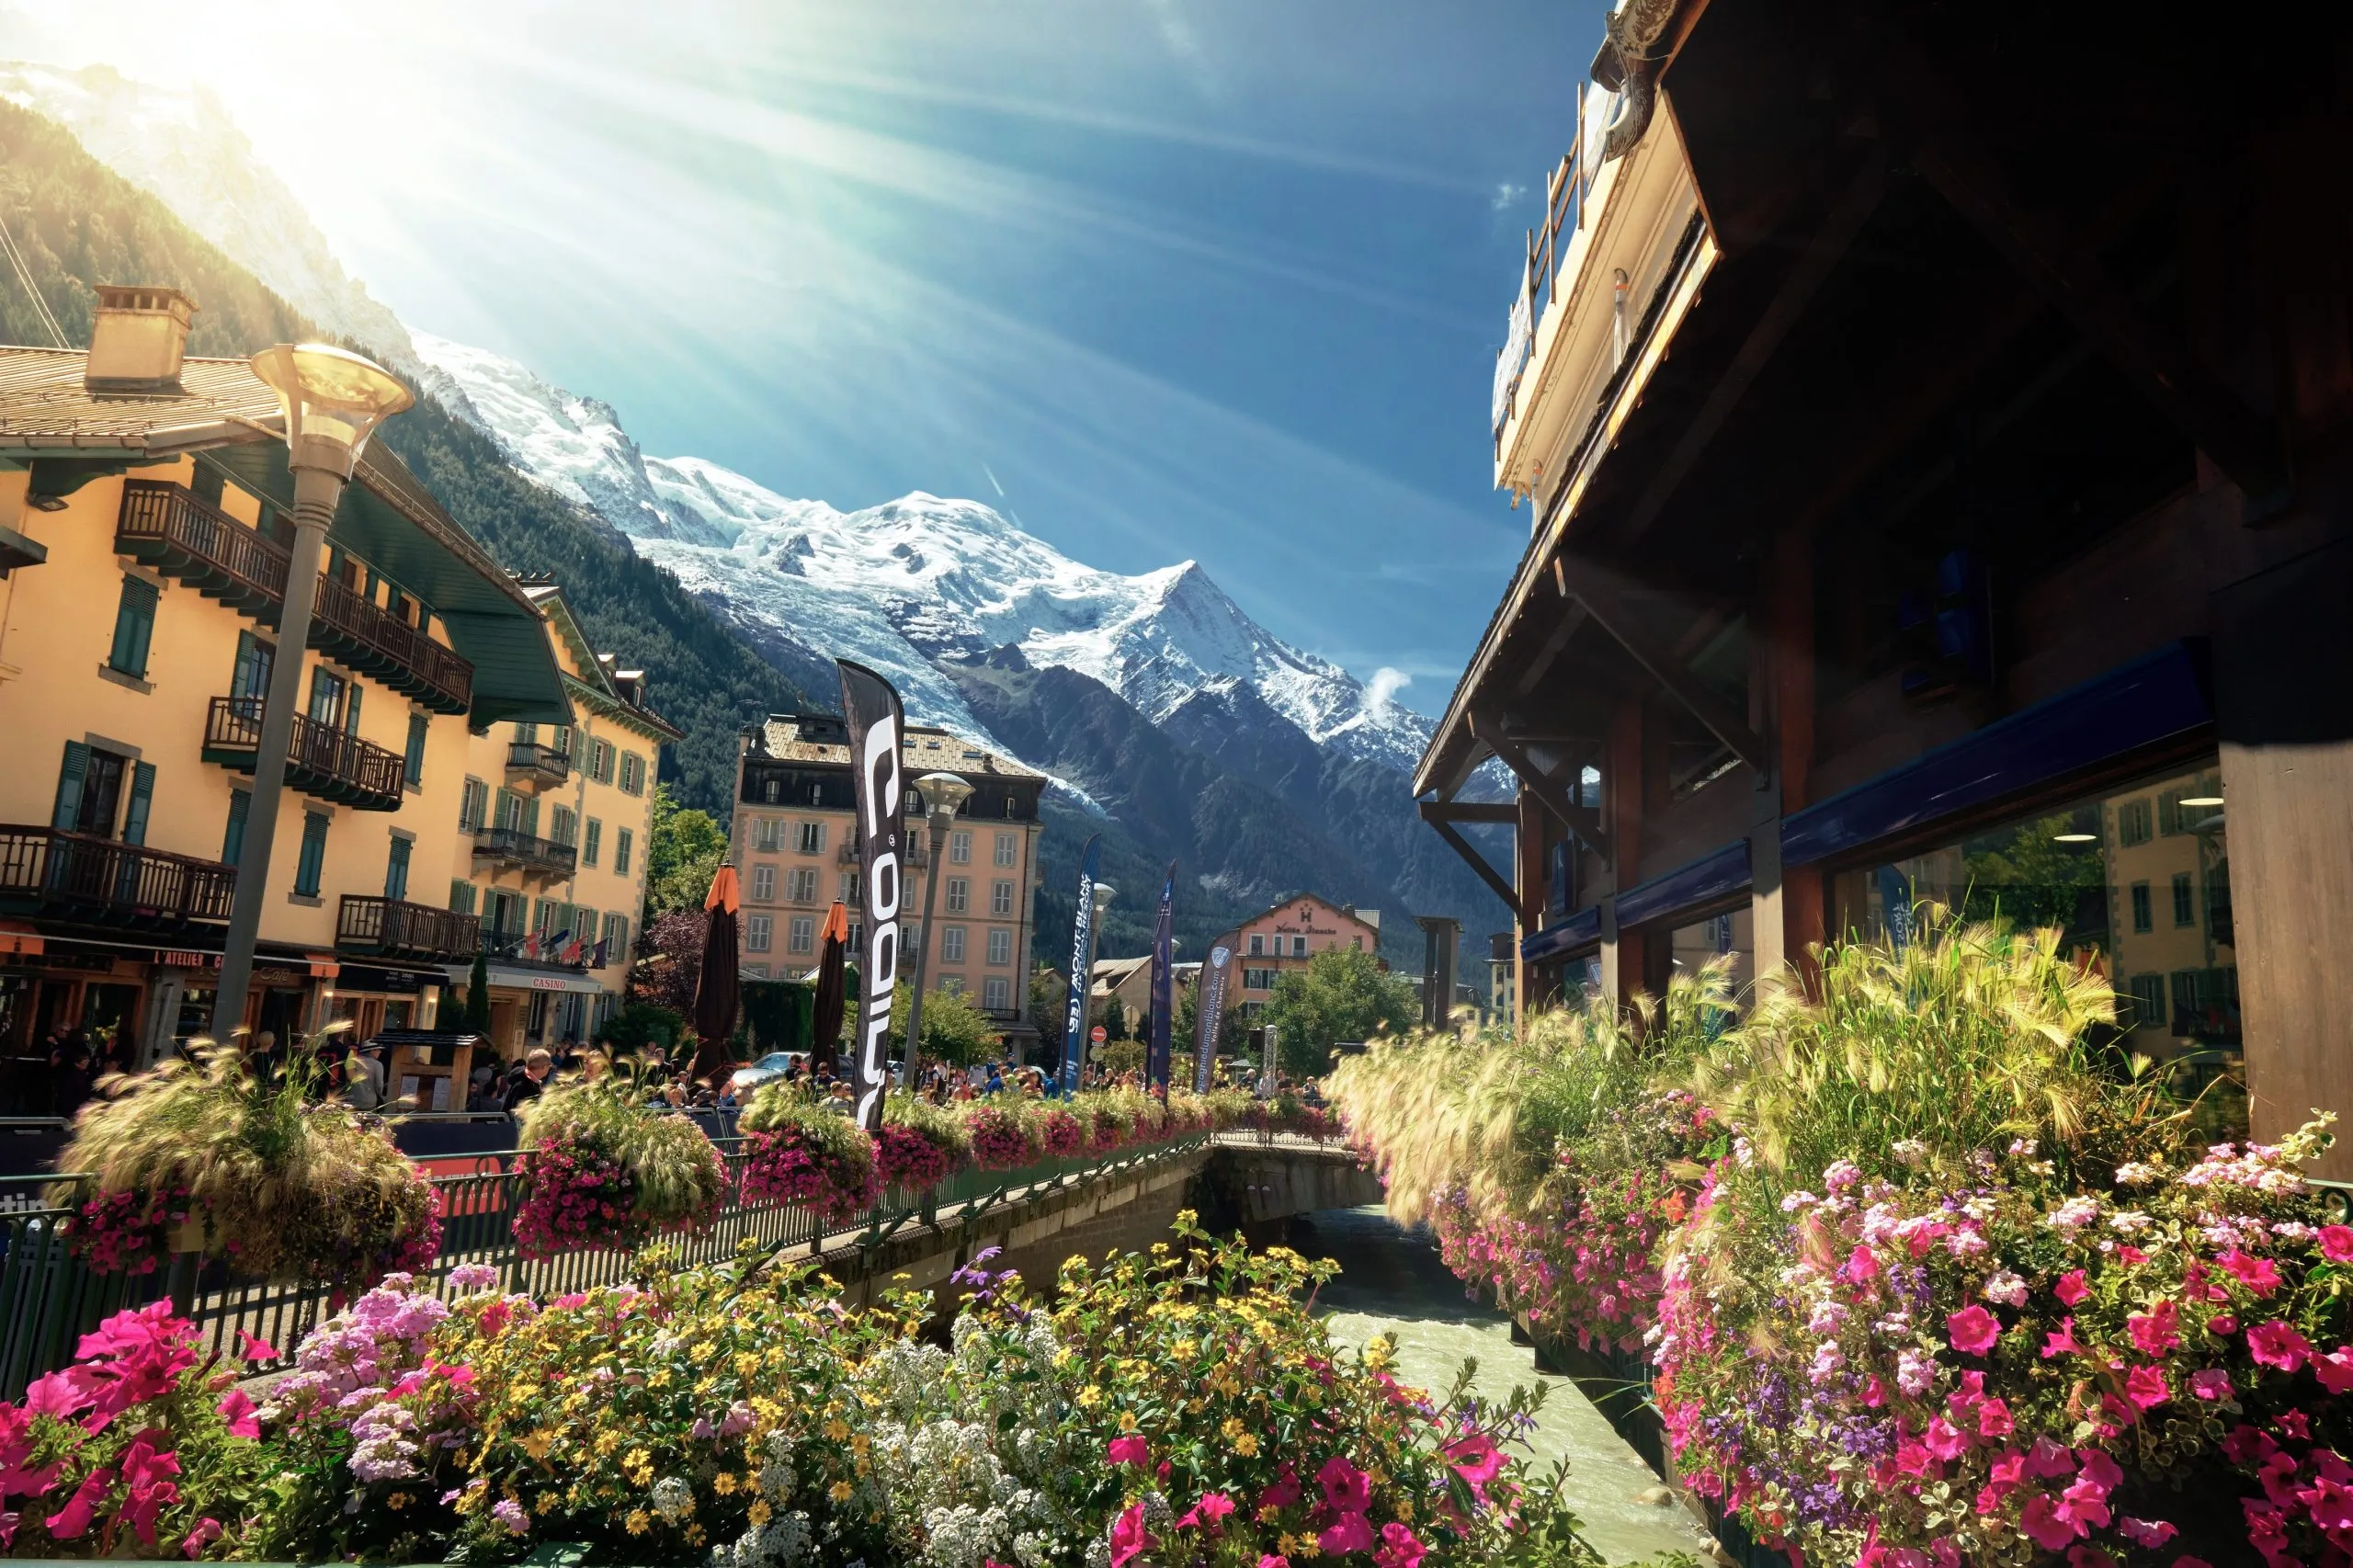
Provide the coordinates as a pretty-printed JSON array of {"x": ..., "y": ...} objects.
[
  {"x": 528, "y": 1078},
  {"x": 363, "y": 1081}
]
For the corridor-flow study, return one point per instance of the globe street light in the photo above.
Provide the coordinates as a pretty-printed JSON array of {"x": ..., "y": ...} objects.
[
  {"x": 945, "y": 794},
  {"x": 1101, "y": 900},
  {"x": 333, "y": 401}
]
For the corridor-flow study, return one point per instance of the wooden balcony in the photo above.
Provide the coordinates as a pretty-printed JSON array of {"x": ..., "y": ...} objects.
[
  {"x": 532, "y": 767},
  {"x": 512, "y": 848},
  {"x": 75, "y": 876},
  {"x": 393, "y": 928},
  {"x": 187, "y": 540},
  {"x": 320, "y": 760}
]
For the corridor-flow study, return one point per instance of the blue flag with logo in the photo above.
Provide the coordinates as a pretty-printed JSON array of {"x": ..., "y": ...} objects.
[
  {"x": 1081, "y": 944},
  {"x": 1164, "y": 946}
]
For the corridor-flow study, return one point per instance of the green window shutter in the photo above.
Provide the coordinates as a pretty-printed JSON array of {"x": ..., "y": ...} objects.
[
  {"x": 416, "y": 748},
  {"x": 142, "y": 790},
  {"x": 351, "y": 711},
  {"x": 251, "y": 676},
  {"x": 396, "y": 870},
  {"x": 461, "y": 897},
  {"x": 312, "y": 862},
  {"x": 134, "y": 626},
  {"x": 531, "y": 817},
  {"x": 232, "y": 842},
  {"x": 76, "y": 769}
]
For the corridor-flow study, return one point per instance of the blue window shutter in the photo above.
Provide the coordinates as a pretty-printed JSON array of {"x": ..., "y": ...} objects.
[
  {"x": 396, "y": 870},
  {"x": 232, "y": 842},
  {"x": 314, "y": 856},
  {"x": 77, "y": 767},
  {"x": 142, "y": 790},
  {"x": 134, "y": 626},
  {"x": 416, "y": 759},
  {"x": 351, "y": 711}
]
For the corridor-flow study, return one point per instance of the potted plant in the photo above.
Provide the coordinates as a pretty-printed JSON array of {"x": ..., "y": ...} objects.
[
  {"x": 207, "y": 1156},
  {"x": 921, "y": 1144},
  {"x": 601, "y": 1169},
  {"x": 1002, "y": 1137},
  {"x": 803, "y": 1153}
]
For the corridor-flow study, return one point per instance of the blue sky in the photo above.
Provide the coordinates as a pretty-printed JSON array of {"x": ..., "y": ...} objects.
[{"x": 1165, "y": 278}]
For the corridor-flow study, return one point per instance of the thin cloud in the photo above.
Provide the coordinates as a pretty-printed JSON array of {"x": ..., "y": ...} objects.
[
  {"x": 1386, "y": 683},
  {"x": 993, "y": 483},
  {"x": 1507, "y": 196}
]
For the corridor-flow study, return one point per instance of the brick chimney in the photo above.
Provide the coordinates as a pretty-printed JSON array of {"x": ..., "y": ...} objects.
[{"x": 138, "y": 340}]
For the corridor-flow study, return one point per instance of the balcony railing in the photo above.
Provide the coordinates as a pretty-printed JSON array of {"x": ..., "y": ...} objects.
[
  {"x": 535, "y": 767},
  {"x": 320, "y": 760},
  {"x": 44, "y": 870},
  {"x": 1564, "y": 208},
  {"x": 366, "y": 637},
  {"x": 391, "y": 928},
  {"x": 516, "y": 947},
  {"x": 166, "y": 526},
  {"x": 512, "y": 847}
]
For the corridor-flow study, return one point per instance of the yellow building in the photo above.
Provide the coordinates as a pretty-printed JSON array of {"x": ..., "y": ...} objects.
[
  {"x": 554, "y": 825},
  {"x": 143, "y": 499},
  {"x": 796, "y": 851}
]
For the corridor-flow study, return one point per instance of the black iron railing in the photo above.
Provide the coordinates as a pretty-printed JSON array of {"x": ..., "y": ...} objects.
[
  {"x": 515, "y": 847},
  {"x": 538, "y": 763},
  {"x": 363, "y": 635},
  {"x": 320, "y": 760},
  {"x": 45, "y": 868},
  {"x": 393, "y": 927}
]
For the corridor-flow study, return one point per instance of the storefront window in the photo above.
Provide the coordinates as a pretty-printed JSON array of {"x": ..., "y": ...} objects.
[{"x": 2137, "y": 882}]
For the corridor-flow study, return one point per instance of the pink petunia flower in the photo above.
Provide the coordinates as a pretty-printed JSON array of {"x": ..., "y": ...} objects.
[
  {"x": 2061, "y": 1341},
  {"x": 2259, "y": 1275},
  {"x": 1129, "y": 1449},
  {"x": 1271, "y": 1560},
  {"x": 2212, "y": 1383},
  {"x": 2071, "y": 1288},
  {"x": 2276, "y": 1343},
  {"x": 2151, "y": 1533},
  {"x": 2335, "y": 1369},
  {"x": 1973, "y": 1330},
  {"x": 2155, "y": 1331},
  {"x": 1349, "y": 1533},
  {"x": 206, "y": 1532},
  {"x": 1127, "y": 1535},
  {"x": 1346, "y": 1489},
  {"x": 2145, "y": 1387},
  {"x": 69, "y": 1522},
  {"x": 252, "y": 1346},
  {"x": 238, "y": 1411},
  {"x": 2336, "y": 1242},
  {"x": 1399, "y": 1548}
]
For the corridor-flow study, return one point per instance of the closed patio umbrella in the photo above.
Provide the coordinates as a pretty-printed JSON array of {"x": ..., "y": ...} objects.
[
  {"x": 718, "y": 996},
  {"x": 831, "y": 989}
]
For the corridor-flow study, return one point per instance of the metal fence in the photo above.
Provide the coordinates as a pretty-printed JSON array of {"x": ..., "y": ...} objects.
[{"x": 49, "y": 1298}]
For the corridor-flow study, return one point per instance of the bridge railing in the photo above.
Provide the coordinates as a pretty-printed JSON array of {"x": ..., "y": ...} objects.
[{"x": 49, "y": 1297}]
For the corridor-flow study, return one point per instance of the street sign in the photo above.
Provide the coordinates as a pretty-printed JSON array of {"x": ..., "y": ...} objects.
[{"x": 1098, "y": 1034}]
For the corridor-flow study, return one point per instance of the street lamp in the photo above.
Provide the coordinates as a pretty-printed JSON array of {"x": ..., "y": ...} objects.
[
  {"x": 1101, "y": 900},
  {"x": 945, "y": 794},
  {"x": 333, "y": 401}
]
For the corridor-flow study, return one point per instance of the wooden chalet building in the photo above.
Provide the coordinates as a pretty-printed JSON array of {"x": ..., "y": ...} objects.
[{"x": 1933, "y": 423}]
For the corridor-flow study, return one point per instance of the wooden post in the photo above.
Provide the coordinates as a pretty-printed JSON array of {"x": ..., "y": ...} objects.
[
  {"x": 1528, "y": 860},
  {"x": 1786, "y": 901},
  {"x": 1624, "y": 787}
]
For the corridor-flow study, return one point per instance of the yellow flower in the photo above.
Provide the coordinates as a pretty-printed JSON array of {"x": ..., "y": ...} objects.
[
  {"x": 1090, "y": 1396},
  {"x": 1246, "y": 1445},
  {"x": 1065, "y": 1359},
  {"x": 758, "y": 1513},
  {"x": 859, "y": 1444},
  {"x": 1127, "y": 1421},
  {"x": 397, "y": 1500},
  {"x": 1183, "y": 1349},
  {"x": 694, "y": 1535},
  {"x": 723, "y": 1482},
  {"x": 837, "y": 1430},
  {"x": 639, "y": 1522},
  {"x": 840, "y": 1490},
  {"x": 538, "y": 1443},
  {"x": 545, "y": 1504},
  {"x": 607, "y": 1441},
  {"x": 1405, "y": 1508}
]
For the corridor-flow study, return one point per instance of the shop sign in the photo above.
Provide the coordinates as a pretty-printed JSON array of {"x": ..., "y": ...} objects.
[
  {"x": 176, "y": 959},
  {"x": 283, "y": 978}
]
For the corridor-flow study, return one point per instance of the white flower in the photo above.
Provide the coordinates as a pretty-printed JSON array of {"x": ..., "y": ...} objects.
[
  {"x": 2006, "y": 1288},
  {"x": 2022, "y": 1148},
  {"x": 1797, "y": 1200},
  {"x": 2073, "y": 1214},
  {"x": 673, "y": 1498},
  {"x": 2127, "y": 1221},
  {"x": 1829, "y": 1360},
  {"x": 2133, "y": 1172},
  {"x": 1841, "y": 1175}
]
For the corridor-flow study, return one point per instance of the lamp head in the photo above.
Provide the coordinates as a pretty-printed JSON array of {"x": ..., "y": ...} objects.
[
  {"x": 1103, "y": 891},
  {"x": 333, "y": 399},
  {"x": 945, "y": 793}
]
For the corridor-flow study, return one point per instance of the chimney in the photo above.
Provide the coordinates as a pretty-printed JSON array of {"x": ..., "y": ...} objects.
[{"x": 138, "y": 340}]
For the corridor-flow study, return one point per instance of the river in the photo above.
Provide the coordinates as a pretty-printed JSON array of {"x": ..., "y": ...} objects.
[{"x": 1393, "y": 1282}]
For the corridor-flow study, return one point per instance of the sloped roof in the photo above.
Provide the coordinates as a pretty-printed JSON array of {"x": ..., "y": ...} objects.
[{"x": 923, "y": 746}]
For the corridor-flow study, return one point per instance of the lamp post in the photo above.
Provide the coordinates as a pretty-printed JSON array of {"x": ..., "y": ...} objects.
[
  {"x": 1101, "y": 900},
  {"x": 333, "y": 402},
  {"x": 944, "y": 794}
]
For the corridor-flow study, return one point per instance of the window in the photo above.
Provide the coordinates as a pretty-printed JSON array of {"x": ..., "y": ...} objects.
[
  {"x": 594, "y": 843},
  {"x": 951, "y": 944},
  {"x": 1000, "y": 948},
  {"x": 802, "y": 934},
  {"x": 396, "y": 867},
  {"x": 616, "y": 938},
  {"x": 2185, "y": 899},
  {"x": 765, "y": 835},
  {"x": 764, "y": 884},
  {"x": 563, "y": 825},
  {"x": 952, "y": 984},
  {"x": 600, "y": 762},
  {"x": 621, "y": 841},
  {"x": 562, "y": 741},
  {"x": 1258, "y": 979},
  {"x": 89, "y": 791},
  {"x": 1257, "y": 946},
  {"x": 1008, "y": 848},
  {"x": 960, "y": 894},
  {"x": 250, "y": 676},
  {"x": 959, "y": 848},
  {"x": 413, "y": 772},
  {"x": 812, "y": 838},
  {"x": 997, "y": 994},
  {"x": 473, "y": 806},
  {"x": 461, "y": 897},
  {"x": 233, "y": 839},
  {"x": 2142, "y": 919},
  {"x": 134, "y": 628},
  {"x": 2133, "y": 823},
  {"x": 1000, "y": 897},
  {"x": 849, "y": 888},
  {"x": 327, "y": 689},
  {"x": 756, "y": 932},
  {"x": 755, "y": 972},
  {"x": 633, "y": 774},
  {"x": 1299, "y": 947},
  {"x": 800, "y": 885},
  {"x": 313, "y": 861}
]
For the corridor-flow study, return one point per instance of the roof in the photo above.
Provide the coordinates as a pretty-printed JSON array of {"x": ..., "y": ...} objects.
[
  {"x": 925, "y": 747},
  {"x": 1111, "y": 973},
  {"x": 1367, "y": 918},
  {"x": 230, "y": 418},
  {"x": 597, "y": 690}
]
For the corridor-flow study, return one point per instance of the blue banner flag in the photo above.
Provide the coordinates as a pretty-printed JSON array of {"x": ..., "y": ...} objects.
[
  {"x": 1081, "y": 944},
  {"x": 1163, "y": 983},
  {"x": 1209, "y": 1005}
]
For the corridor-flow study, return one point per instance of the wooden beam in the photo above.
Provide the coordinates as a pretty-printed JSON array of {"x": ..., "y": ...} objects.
[
  {"x": 1471, "y": 811},
  {"x": 1641, "y": 626},
  {"x": 1822, "y": 253},
  {"x": 1571, "y": 617},
  {"x": 1478, "y": 862},
  {"x": 1582, "y": 820}
]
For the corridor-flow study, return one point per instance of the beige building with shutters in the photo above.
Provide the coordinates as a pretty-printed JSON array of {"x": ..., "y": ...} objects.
[
  {"x": 796, "y": 851},
  {"x": 553, "y": 821}
]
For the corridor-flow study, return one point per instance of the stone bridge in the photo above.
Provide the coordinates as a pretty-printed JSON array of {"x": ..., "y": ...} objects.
[{"x": 1234, "y": 1182}]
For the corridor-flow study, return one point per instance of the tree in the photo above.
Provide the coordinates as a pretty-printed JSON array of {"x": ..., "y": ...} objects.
[
  {"x": 954, "y": 1030},
  {"x": 477, "y": 1019},
  {"x": 1049, "y": 997},
  {"x": 1232, "y": 1033},
  {"x": 1115, "y": 1020},
  {"x": 1118, "y": 1056},
  {"x": 682, "y": 854},
  {"x": 671, "y": 969},
  {"x": 640, "y": 1024},
  {"x": 1342, "y": 994}
]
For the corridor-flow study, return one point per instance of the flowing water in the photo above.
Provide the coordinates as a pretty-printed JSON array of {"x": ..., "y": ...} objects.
[{"x": 1393, "y": 1282}]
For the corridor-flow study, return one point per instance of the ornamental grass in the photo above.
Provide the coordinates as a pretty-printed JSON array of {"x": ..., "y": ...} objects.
[
  {"x": 601, "y": 1169},
  {"x": 800, "y": 1151}
]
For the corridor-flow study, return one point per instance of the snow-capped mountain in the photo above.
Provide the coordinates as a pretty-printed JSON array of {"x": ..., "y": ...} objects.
[
  {"x": 905, "y": 585},
  {"x": 182, "y": 147}
]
